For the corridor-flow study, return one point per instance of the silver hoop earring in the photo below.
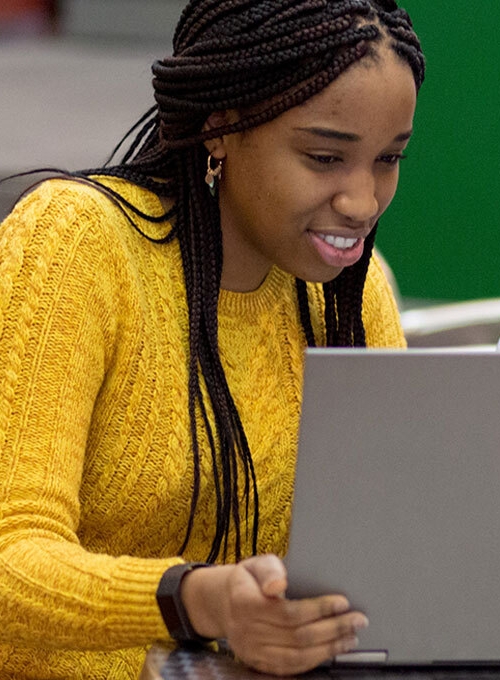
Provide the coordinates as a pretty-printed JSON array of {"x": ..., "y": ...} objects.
[{"x": 212, "y": 173}]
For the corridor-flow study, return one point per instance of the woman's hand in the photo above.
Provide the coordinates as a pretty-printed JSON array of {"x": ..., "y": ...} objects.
[{"x": 246, "y": 605}]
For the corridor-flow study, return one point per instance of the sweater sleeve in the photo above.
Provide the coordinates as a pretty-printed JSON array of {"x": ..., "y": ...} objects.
[
  {"x": 58, "y": 296},
  {"x": 380, "y": 312}
]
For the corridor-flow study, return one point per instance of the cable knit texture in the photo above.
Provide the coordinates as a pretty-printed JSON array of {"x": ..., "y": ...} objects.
[{"x": 95, "y": 459}]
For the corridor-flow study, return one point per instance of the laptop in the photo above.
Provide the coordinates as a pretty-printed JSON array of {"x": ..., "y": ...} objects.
[{"x": 397, "y": 500}]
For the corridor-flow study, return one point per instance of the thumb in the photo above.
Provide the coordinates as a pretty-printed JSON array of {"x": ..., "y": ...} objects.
[{"x": 270, "y": 574}]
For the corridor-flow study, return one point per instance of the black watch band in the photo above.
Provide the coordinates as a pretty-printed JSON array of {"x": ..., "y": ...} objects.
[{"x": 168, "y": 596}]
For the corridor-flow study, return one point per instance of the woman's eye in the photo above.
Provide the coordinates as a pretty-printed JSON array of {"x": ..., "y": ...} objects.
[
  {"x": 324, "y": 160},
  {"x": 392, "y": 158}
]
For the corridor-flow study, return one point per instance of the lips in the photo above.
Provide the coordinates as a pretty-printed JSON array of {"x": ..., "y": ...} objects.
[{"x": 337, "y": 251}]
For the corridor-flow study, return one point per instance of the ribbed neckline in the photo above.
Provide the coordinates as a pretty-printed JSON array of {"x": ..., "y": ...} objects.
[{"x": 257, "y": 301}]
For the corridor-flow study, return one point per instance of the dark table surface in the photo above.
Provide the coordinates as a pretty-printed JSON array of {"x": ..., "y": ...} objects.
[{"x": 205, "y": 664}]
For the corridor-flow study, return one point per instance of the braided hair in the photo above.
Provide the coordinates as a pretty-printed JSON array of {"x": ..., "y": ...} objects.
[{"x": 260, "y": 57}]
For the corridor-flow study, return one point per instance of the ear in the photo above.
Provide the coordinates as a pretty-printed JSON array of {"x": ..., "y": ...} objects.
[{"x": 218, "y": 119}]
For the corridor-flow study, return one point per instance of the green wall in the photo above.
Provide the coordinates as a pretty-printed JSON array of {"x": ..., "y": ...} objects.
[{"x": 441, "y": 234}]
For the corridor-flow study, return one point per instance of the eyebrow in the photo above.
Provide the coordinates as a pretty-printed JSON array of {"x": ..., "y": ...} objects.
[{"x": 329, "y": 133}]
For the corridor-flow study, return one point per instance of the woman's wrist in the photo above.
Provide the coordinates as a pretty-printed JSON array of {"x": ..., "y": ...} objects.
[
  {"x": 173, "y": 611},
  {"x": 204, "y": 596}
]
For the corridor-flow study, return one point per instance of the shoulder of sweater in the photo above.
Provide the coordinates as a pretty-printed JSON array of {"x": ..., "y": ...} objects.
[
  {"x": 380, "y": 309},
  {"x": 83, "y": 205},
  {"x": 375, "y": 274},
  {"x": 377, "y": 289},
  {"x": 65, "y": 223}
]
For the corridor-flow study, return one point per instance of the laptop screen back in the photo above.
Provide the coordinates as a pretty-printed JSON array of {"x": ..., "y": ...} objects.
[{"x": 397, "y": 498}]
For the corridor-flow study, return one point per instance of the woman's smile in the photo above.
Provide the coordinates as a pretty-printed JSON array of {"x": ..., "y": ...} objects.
[{"x": 337, "y": 251}]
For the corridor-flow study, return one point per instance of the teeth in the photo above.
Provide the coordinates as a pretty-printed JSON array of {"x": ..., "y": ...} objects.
[{"x": 338, "y": 241}]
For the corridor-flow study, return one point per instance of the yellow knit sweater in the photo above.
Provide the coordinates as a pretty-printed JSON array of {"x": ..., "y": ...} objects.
[{"x": 95, "y": 460}]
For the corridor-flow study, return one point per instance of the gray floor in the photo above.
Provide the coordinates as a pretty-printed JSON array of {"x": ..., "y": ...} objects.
[{"x": 66, "y": 103}]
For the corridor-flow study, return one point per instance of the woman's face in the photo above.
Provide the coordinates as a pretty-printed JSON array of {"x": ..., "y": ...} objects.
[{"x": 304, "y": 190}]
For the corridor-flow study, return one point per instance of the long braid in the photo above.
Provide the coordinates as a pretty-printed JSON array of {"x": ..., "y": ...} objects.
[
  {"x": 260, "y": 57},
  {"x": 305, "y": 317}
]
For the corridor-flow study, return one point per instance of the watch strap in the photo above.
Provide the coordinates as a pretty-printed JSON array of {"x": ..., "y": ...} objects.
[{"x": 168, "y": 597}]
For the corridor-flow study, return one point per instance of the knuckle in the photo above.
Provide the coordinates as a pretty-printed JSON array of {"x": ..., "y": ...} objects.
[
  {"x": 302, "y": 637},
  {"x": 292, "y": 612},
  {"x": 327, "y": 607},
  {"x": 344, "y": 626}
]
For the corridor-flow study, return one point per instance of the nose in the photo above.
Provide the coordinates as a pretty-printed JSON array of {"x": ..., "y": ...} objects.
[{"x": 356, "y": 198}]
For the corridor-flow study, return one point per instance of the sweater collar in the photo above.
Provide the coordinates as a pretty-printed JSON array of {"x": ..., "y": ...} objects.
[{"x": 263, "y": 299}]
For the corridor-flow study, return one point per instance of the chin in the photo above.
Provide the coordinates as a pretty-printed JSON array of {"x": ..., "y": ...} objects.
[{"x": 320, "y": 277}]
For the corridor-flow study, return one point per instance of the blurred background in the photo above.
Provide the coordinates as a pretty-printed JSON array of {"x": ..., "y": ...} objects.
[
  {"x": 442, "y": 233},
  {"x": 75, "y": 75}
]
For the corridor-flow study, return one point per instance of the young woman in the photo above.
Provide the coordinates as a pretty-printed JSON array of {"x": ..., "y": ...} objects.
[{"x": 153, "y": 319}]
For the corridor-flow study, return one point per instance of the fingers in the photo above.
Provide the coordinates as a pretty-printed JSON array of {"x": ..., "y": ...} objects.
[
  {"x": 285, "y": 662},
  {"x": 325, "y": 631},
  {"x": 315, "y": 633},
  {"x": 280, "y": 636},
  {"x": 300, "y": 612},
  {"x": 302, "y": 649}
]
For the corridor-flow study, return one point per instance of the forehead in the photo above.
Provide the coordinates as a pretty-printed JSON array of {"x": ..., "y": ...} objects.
[{"x": 373, "y": 91}]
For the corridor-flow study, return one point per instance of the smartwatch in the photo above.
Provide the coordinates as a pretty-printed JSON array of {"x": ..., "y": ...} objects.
[{"x": 168, "y": 597}]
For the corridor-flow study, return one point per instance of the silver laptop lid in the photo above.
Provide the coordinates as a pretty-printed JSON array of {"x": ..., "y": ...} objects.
[{"x": 397, "y": 499}]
